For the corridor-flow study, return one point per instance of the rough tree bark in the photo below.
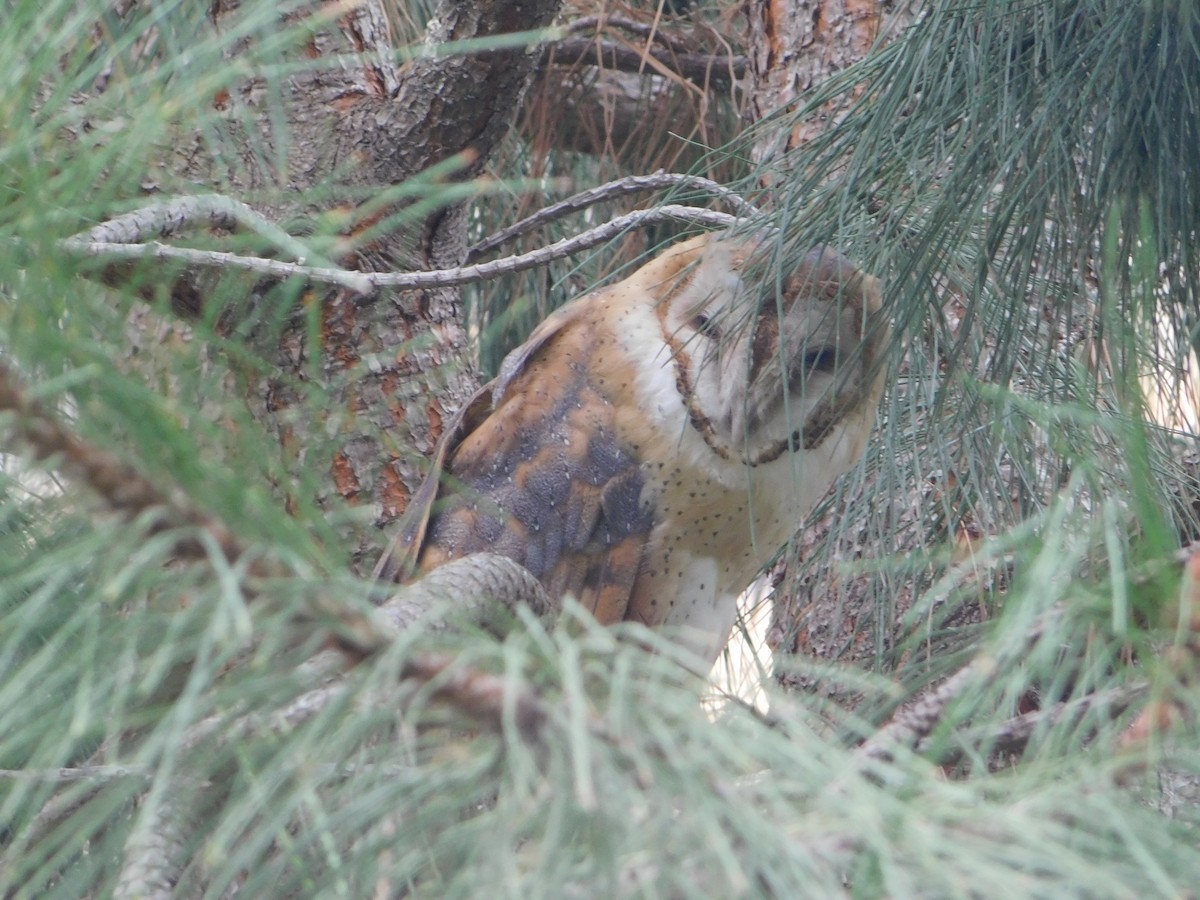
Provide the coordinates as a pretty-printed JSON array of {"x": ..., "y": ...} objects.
[
  {"x": 395, "y": 366},
  {"x": 797, "y": 44}
]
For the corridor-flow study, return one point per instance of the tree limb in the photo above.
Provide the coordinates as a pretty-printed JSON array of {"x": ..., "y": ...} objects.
[
  {"x": 1012, "y": 735},
  {"x": 619, "y": 188},
  {"x": 125, "y": 490},
  {"x": 367, "y": 284},
  {"x": 650, "y": 30},
  {"x": 704, "y": 69},
  {"x": 913, "y": 723}
]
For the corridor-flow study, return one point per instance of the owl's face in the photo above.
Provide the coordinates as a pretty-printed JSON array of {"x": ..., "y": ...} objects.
[{"x": 768, "y": 364}]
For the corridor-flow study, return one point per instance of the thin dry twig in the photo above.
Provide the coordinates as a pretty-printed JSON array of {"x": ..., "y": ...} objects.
[
  {"x": 613, "y": 189},
  {"x": 76, "y": 773},
  {"x": 598, "y": 24},
  {"x": 357, "y": 282},
  {"x": 367, "y": 284},
  {"x": 179, "y": 214},
  {"x": 705, "y": 69}
]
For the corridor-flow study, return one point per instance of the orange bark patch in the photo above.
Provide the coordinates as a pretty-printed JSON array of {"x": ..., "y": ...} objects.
[
  {"x": 393, "y": 493},
  {"x": 865, "y": 14},
  {"x": 435, "y": 422},
  {"x": 348, "y": 100},
  {"x": 363, "y": 224},
  {"x": 776, "y": 12},
  {"x": 344, "y": 479},
  {"x": 337, "y": 331},
  {"x": 390, "y": 384}
]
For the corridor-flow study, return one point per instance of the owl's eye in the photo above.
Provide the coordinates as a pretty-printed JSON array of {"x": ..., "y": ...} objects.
[
  {"x": 821, "y": 359},
  {"x": 705, "y": 324}
]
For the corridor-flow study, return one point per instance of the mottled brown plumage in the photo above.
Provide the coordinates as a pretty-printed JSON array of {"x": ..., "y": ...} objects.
[{"x": 654, "y": 443}]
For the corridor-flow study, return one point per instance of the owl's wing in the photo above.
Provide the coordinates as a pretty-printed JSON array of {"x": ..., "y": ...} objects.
[
  {"x": 399, "y": 560},
  {"x": 534, "y": 468}
]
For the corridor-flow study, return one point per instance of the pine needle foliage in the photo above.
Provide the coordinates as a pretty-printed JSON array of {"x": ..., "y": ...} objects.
[
  {"x": 165, "y": 731},
  {"x": 1023, "y": 175}
]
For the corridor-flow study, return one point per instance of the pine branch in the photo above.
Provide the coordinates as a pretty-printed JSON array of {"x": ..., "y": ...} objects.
[
  {"x": 123, "y": 489},
  {"x": 705, "y": 69},
  {"x": 915, "y": 722},
  {"x": 1012, "y": 735},
  {"x": 367, "y": 284},
  {"x": 613, "y": 189},
  {"x": 650, "y": 30},
  {"x": 472, "y": 582},
  {"x": 155, "y": 850}
]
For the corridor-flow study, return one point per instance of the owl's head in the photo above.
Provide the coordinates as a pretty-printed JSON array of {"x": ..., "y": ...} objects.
[{"x": 772, "y": 357}]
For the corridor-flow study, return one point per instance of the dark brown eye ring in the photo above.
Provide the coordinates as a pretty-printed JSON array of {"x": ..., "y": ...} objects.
[
  {"x": 823, "y": 359},
  {"x": 706, "y": 326}
]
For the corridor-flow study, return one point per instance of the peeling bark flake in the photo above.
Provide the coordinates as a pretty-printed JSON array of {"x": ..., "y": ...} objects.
[
  {"x": 393, "y": 494},
  {"x": 344, "y": 479},
  {"x": 337, "y": 333},
  {"x": 434, "y": 413}
]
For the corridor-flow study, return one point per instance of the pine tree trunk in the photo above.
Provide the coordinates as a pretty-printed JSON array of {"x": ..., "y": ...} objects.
[
  {"x": 797, "y": 44},
  {"x": 396, "y": 366}
]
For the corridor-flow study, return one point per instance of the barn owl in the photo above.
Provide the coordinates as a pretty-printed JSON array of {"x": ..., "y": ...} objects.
[{"x": 653, "y": 444}]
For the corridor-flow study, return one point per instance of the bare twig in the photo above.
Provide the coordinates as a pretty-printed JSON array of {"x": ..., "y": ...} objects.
[
  {"x": 597, "y": 24},
  {"x": 218, "y": 259},
  {"x": 619, "y": 188},
  {"x": 705, "y": 69},
  {"x": 171, "y": 217},
  {"x": 76, "y": 773},
  {"x": 366, "y": 284},
  {"x": 560, "y": 249}
]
